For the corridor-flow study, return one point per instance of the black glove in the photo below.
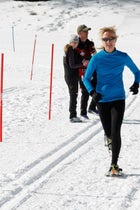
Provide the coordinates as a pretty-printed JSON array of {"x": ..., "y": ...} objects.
[
  {"x": 134, "y": 88},
  {"x": 95, "y": 96}
]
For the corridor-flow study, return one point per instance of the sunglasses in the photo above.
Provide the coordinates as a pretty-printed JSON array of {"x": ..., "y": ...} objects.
[{"x": 108, "y": 39}]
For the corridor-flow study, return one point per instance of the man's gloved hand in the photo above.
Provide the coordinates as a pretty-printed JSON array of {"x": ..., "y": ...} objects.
[
  {"x": 134, "y": 88},
  {"x": 95, "y": 96}
]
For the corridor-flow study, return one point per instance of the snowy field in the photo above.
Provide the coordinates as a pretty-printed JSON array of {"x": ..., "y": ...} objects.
[{"x": 53, "y": 164}]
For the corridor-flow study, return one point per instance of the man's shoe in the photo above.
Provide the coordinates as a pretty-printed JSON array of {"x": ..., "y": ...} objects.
[
  {"x": 84, "y": 118},
  {"x": 93, "y": 111}
]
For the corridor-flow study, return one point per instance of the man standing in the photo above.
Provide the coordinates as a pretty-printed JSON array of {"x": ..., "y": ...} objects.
[{"x": 85, "y": 49}]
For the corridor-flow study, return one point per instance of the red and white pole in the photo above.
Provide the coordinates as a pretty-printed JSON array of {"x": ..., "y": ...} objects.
[
  {"x": 1, "y": 92},
  {"x": 51, "y": 77}
]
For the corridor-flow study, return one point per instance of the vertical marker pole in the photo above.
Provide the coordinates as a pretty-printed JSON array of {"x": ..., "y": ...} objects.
[
  {"x": 13, "y": 38},
  {"x": 51, "y": 76},
  {"x": 1, "y": 92},
  {"x": 31, "y": 75}
]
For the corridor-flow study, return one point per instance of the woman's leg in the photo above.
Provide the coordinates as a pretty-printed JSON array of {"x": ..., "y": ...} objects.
[
  {"x": 105, "y": 116},
  {"x": 117, "y": 113},
  {"x": 73, "y": 92}
]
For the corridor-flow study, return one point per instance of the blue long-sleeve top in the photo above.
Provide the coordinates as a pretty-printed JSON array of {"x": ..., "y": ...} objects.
[{"x": 109, "y": 68}]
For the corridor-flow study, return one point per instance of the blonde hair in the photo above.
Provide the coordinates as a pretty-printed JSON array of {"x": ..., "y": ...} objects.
[
  {"x": 111, "y": 29},
  {"x": 66, "y": 47}
]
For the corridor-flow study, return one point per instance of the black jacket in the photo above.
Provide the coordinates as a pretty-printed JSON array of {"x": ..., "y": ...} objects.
[
  {"x": 72, "y": 62},
  {"x": 86, "y": 49}
]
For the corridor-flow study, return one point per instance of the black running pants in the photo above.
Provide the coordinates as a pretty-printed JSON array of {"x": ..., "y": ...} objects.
[{"x": 111, "y": 115}]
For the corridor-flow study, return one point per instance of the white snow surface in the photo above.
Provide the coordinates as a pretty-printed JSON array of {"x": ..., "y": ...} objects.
[{"x": 54, "y": 164}]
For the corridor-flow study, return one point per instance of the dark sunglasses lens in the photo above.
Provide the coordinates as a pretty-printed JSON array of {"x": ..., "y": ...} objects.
[{"x": 108, "y": 39}]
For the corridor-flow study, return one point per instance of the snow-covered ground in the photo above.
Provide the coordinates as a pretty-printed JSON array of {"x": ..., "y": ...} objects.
[{"x": 53, "y": 164}]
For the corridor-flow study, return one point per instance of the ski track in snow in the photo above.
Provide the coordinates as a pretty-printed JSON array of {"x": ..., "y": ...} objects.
[{"x": 34, "y": 175}]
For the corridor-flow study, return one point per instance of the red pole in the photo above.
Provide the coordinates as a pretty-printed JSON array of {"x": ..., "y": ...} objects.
[
  {"x": 51, "y": 76},
  {"x": 33, "y": 57},
  {"x": 1, "y": 92}
]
